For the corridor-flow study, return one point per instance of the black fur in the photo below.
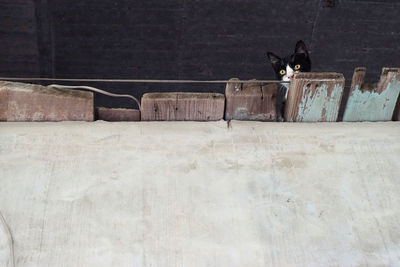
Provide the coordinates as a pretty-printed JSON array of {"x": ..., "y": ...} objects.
[{"x": 300, "y": 56}]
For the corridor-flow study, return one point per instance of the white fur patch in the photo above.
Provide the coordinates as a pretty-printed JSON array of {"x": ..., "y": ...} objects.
[
  {"x": 289, "y": 74},
  {"x": 286, "y": 85},
  {"x": 287, "y": 78}
]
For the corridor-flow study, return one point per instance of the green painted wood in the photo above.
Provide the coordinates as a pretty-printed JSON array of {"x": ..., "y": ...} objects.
[
  {"x": 373, "y": 102},
  {"x": 314, "y": 97}
]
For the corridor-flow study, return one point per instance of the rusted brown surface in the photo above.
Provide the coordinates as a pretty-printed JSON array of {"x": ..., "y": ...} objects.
[
  {"x": 182, "y": 106},
  {"x": 388, "y": 75},
  {"x": 117, "y": 114},
  {"x": 357, "y": 82},
  {"x": 3, "y": 104},
  {"x": 364, "y": 87},
  {"x": 30, "y": 102},
  {"x": 358, "y": 78},
  {"x": 314, "y": 96},
  {"x": 250, "y": 101}
]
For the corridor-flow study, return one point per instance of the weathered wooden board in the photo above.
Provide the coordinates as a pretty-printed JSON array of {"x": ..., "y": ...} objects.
[
  {"x": 314, "y": 97},
  {"x": 182, "y": 107},
  {"x": 31, "y": 102},
  {"x": 250, "y": 101},
  {"x": 373, "y": 102},
  {"x": 117, "y": 114},
  {"x": 158, "y": 106}
]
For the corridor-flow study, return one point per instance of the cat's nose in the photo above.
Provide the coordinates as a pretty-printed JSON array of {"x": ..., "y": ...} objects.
[{"x": 290, "y": 77}]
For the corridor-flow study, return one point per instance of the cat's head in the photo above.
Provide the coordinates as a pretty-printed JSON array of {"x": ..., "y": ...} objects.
[{"x": 286, "y": 67}]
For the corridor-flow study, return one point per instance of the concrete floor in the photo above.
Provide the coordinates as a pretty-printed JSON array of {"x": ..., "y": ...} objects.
[{"x": 200, "y": 194}]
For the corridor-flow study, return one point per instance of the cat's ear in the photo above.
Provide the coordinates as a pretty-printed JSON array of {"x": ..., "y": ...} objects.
[
  {"x": 273, "y": 58},
  {"x": 301, "y": 48}
]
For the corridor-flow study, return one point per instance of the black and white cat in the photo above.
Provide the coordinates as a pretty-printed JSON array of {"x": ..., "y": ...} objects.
[{"x": 286, "y": 67}]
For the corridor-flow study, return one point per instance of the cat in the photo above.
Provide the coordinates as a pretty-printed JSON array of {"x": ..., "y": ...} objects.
[{"x": 286, "y": 67}]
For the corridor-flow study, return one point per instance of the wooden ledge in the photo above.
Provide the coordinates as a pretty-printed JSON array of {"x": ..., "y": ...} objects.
[{"x": 179, "y": 106}]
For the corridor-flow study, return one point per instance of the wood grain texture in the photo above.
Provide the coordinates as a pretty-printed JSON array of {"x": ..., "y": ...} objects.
[
  {"x": 373, "y": 102},
  {"x": 252, "y": 101},
  {"x": 182, "y": 107},
  {"x": 117, "y": 114},
  {"x": 31, "y": 102},
  {"x": 314, "y": 97}
]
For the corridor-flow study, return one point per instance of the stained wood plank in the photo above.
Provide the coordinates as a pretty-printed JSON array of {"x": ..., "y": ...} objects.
[
  {"x": 251, "y": 101},
  {"x": 32, "y": 102},
  {"x": 117, "y": 114},
  {"x": 314, "y": 97},
  {"x": 373, "y": 102},
  {"x": 158, "y": 106},
  {"x": 182, "y": 107}
]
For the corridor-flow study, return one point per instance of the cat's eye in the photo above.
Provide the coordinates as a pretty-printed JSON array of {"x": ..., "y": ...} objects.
[
  {"x": 297, "y": 67},
  {"x": 282, "y": 72}
]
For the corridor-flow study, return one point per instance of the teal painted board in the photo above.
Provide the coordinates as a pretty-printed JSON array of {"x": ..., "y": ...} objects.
[
  {"x": 314, "y": 97},
  {"x": 373, "y": 102}
]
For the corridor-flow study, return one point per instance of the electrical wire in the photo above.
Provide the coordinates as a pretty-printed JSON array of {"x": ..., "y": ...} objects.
[{"x": 90, "y": 88}]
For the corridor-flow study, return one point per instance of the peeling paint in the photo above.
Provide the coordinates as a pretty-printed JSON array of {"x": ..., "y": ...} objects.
[
  {"x": 366, "y": 105},
  {"x": 321, "y": 105}
]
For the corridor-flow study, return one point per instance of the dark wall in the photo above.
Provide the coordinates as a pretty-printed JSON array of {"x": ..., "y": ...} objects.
[
  {"x": 19, "y": 55},
  {"x": 182, "y": 39}
]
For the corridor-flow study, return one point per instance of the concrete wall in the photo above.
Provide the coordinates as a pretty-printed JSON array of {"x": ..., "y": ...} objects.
[{"x": 201, "y": 194}]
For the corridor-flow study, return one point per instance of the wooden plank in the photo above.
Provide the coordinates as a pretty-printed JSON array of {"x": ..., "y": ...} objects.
[
  {"x": 31, "y": 102},
  {"x": 250, "y": 101},
  {"x": 182, "y": 106},
  {"x": 117, "y": 114},
  {"x": 200, "y": 106},
  {"x": 158, "y": 106},
  {"x": 314, "y": 97},
  {"x": 373, "y": 102}
]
